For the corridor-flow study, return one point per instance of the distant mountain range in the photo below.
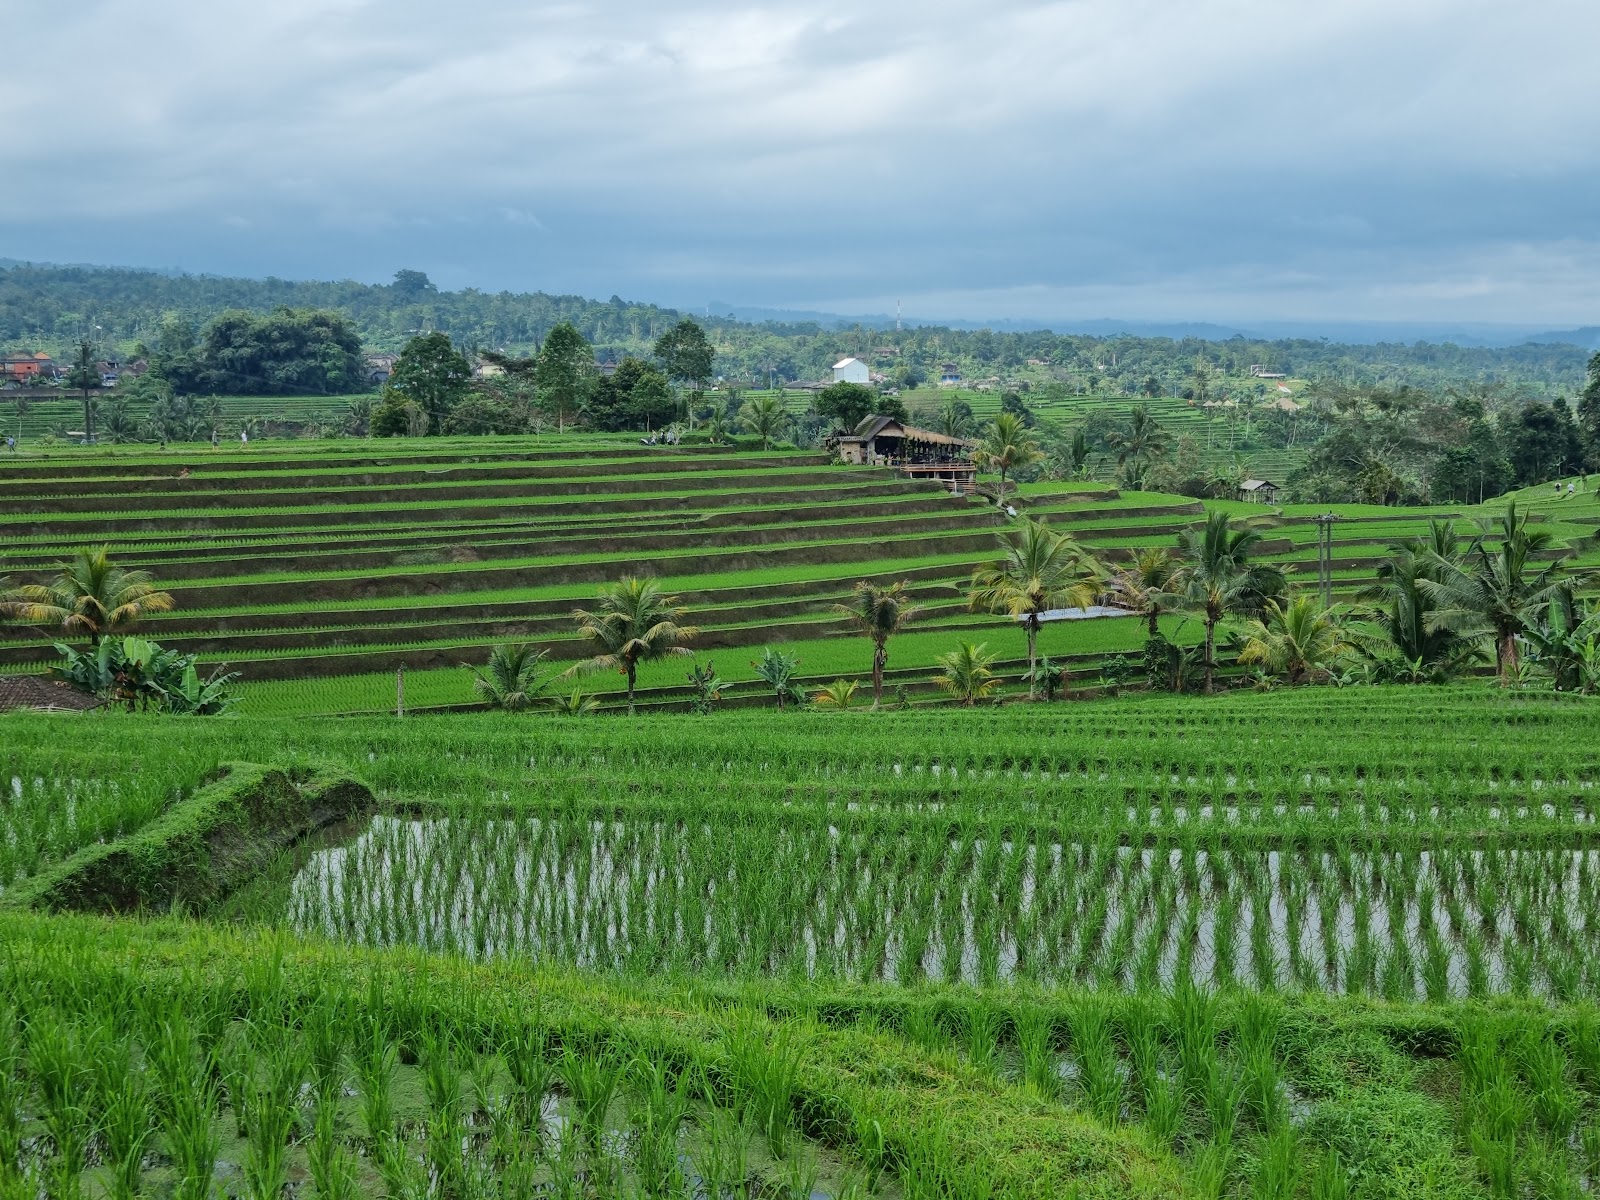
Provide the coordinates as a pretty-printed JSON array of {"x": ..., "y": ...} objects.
[{"x": 1359, "y": 333}]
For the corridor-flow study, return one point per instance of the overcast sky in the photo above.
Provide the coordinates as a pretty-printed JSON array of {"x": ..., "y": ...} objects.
[{"x": 1227, "y": 160}]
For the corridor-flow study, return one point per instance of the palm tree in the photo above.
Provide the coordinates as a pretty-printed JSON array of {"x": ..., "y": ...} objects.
[
  {"x": 1298, "y": 640},
  {"x": 576, "y": 703},
  {"x": 955, "y": 418},
  {"x": 966, "y": 673},
  {"x": 1006, "y": 446},
  {"x": 1040, "y": 570},
  {"x": 1217, "y": 579},
  {"x": 1403, "y": 613},
  {"x": 634, "y": 623},
  {"x": 512, "y": 679},
  {"x": 717, "y": 427},
  {"x": 840, "y": 694},
  {"x": 91, "y": 596},
  {"x": 1143, "y": 440},
  {"x": 880, "y": 613},
  {"x": 1487, "y": 593},
  {"x": 765, "y": 418},
  {"x": 1144, "y": 585}
]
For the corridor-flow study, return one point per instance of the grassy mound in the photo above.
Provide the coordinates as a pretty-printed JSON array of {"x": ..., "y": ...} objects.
[{"x": 203, "y": 848}]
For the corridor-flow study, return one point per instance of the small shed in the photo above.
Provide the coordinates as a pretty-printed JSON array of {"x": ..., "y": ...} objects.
[
  {"x": 850, "y": 370},
  {"x": 1258, "y": 491}
]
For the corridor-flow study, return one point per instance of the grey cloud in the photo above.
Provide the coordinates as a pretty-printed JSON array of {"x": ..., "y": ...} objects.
[{"x": 1181, "y": 158}]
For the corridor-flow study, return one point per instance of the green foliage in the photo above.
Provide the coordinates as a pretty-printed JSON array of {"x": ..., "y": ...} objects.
[
  {"x": 879, "y": 613},
  {"x": 1041, "y": 570},
  {"x": 840, "y": 694},
  {"x": 564, "y": 372},
  {"x": 685, "y": 354},
  {"x": 966, "y": 674},
  {"x": 282, "y": 352},
  {"x": 848, "y": 404},
  {"x": 635, "y": 396},
  {"x": 140, "y": 675},
  {"x": 764, "y": 418},
  {"x": 430, "y": 374},
  {"x": 777, "y": 669},
  {"x": 1006, "y": 447},
  {"x": 705, "y": 688},
  {"x": 635, "y": 622},
  {"x": 513, "y": 679},
  {"x": 90, "y": 596}
]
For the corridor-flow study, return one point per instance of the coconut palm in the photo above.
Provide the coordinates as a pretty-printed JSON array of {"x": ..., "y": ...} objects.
[
  {"x": 765, "y": 418},
  {"x": 1041, "y": 570},
  {"x": 955, "y": 419},
  {"x": 1217, "y": 579},
  {"x": 1144, "y": 584},
  {"x": 576, "y": 703},
  {"x": 91, "y": 596},
  {"x": 513, "y": 679},
  {"x": 717, "y": 430},
  {"x": 1142, "y": 441},
  {"x": 1006, "y": 446},
  {"x": 879, "y": 613},
  {"x": 966, "y": 673},
  {"x": 1402, "y": 612},
  {"x": 1298, "y": 640},
  {"x": 840, "y": 694},
  {"x": 1488, "y": 593},
  {"x": 634, "y": 623}
]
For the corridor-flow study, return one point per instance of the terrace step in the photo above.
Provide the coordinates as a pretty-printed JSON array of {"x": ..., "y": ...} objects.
[
  {"x": 203, "y": 480},
  {"x": 423, "y": 583},
  {"x": 471, "y": 543},
  {"x": 417, "y": 514},
  {"x": 225, "y": 499}
]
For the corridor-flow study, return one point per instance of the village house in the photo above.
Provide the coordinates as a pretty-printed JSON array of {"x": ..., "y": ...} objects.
[
  {"x": 850, "y": 370},
  {"x": 26, "y": 368},
  {"x": 1258, "y": 491}
]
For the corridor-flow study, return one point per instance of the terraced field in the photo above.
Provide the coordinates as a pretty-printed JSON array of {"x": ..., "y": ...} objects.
[
  {"x": 317, "y": 570},
  {"x": 1302, "y": 944}
]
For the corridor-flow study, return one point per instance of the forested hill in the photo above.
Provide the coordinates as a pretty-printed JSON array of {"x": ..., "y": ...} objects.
[{"x": 50, "y": 307}]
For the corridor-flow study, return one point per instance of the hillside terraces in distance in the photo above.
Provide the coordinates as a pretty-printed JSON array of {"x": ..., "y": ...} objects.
[{"x": 301, "y": 562}]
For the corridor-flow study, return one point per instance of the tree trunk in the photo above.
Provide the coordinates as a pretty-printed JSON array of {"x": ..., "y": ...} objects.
[
  {"x": 880, "y": 656},
  {"x": 1211, "y": 639},
  {"x": 632, "y": 669},
  {"x": 1032, "y": 626},
  {"x": 1507, "y": 658},
  {"x": 1154, "y": 615}
]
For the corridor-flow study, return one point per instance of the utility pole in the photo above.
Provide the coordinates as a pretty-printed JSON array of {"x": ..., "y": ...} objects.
[{"x": 1324, "y": 524}]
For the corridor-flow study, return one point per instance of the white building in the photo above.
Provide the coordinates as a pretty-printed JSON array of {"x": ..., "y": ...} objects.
[{"x": 850, "y": 370}]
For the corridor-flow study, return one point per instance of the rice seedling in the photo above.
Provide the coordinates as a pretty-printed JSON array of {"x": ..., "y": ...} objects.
[
  {"x": 656, "y": 1114},
  {"x": 766, "y": 1071}
]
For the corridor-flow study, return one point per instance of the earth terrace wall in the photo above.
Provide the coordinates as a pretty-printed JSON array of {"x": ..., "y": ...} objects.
[
  {"x": 418, "y": 514},
  {"x": 201, "y": 479}
]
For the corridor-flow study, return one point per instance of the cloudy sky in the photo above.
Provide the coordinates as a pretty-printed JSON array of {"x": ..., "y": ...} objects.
[{"x": 1227, "y": 160}]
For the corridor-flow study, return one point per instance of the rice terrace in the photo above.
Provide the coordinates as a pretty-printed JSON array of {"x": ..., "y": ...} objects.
[{"x": 710, "y": 818}]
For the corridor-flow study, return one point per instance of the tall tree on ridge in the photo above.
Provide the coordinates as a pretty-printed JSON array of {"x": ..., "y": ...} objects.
[{"x": 564, "y": 371}]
